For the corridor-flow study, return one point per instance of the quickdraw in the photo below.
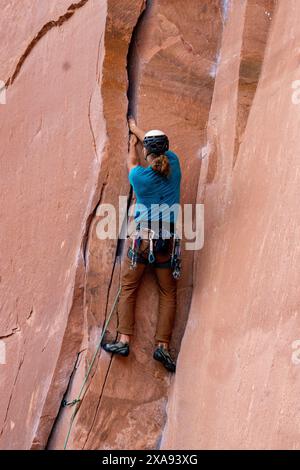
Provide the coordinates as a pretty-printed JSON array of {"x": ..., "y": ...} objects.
[
  {"x": 134, "y": 250},
  {"x": 176, "y": 257},
  {"x": 66, "y": 403},
  {"x": 151, "y": 257}
]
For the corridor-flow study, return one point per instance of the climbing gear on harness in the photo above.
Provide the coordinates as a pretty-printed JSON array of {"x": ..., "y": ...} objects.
[
  {"x": 176, "y": 257},
  {"x": 134, "y": 250},
  {"x": 142, "y": 233},
  {"x": 82, "y": 389},
  {"x": 151, "y": 257},
  {"x": 116, "y": 348},
  {"x": 159, "y": 244},
  {"x": 156, "y": 142},
  {"x": 66, "y": 403},
  {"x": 162, "y": 355}
]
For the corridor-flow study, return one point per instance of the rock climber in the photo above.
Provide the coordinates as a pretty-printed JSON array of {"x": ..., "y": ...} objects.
[{"x": 155, "y": 185}]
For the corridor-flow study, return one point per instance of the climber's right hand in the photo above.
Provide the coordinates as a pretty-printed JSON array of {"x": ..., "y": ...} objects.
[
  {"x": 131, "y": 123},
  {"x": 133, "y": 140}
]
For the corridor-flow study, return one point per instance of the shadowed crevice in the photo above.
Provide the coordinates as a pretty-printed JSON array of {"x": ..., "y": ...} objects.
[{"x": 252, "y": 58}]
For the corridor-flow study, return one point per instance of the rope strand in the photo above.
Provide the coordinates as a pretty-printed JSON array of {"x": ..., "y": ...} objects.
[{"x": 78, "y": 399}]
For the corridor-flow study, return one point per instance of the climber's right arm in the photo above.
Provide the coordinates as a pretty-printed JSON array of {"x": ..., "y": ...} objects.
[
  {"x": 133, "y": 158},
  {"x": 140, "y": 133}
]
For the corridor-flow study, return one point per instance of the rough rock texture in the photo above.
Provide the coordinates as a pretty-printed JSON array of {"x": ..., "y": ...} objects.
[
  {"x": 217, "y": 77},
  {"x": 162, "y": 50},
  {"x": 48, "y": 179},
  {"x": 242, "y": 392}
]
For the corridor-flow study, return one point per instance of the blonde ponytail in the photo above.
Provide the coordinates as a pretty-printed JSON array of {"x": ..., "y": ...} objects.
[{"x": 161, "y": 165}]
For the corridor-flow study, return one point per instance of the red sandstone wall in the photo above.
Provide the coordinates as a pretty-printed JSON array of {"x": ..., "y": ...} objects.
[
  {"x": 217, "y": 77},
  {"x": 238, "y": 376},
  {"x": 48, "y": 179}
]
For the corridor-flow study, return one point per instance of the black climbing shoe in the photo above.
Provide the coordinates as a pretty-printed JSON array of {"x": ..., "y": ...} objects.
[
  {"x": 117, "y": 348},
  {"x": 162, "y": 355}
]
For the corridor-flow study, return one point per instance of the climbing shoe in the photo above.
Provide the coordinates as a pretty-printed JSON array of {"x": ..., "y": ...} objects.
[
  {"x": 117, "y": 348},
  {"x": 162, "y": 355}
]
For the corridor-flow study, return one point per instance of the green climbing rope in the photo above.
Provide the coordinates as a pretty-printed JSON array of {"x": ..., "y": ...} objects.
[{"x": 78, "y": 399}]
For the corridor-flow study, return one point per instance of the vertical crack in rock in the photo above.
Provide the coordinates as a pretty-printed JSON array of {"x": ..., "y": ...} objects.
[
  {"x": 76, "y": 365},
  {"x": 107, "y": 371},
  {"x": 132, "y": 94},
  {"x": 13, "y": 390},
  {"x": 43, "y": 31},
  {"x": 99, "y": 401},
  {"x": 89, "y": 222},
  {"x": 66, "y": 363},
  {"x": 90, "y": 101},
  {"x": 91, "y": 128},
  {"x": 132, "y": 65},
  {"x": 252, "y": 57}
]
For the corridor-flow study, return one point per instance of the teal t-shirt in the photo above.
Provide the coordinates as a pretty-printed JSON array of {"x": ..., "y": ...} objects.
[{"x": 157, "y": 196}]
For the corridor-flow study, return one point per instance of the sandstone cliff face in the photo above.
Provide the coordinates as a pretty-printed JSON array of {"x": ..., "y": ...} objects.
[
  {"x": 217, "y": 77},
  {"x": 241, "y": 389},
  {"x": 49, "y": 177}
]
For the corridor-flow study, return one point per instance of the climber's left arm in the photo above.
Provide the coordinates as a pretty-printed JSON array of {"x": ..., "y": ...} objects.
[{"x": 133, "y": 158}]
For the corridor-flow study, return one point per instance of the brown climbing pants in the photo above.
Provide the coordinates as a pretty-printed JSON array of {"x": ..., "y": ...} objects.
[{"x": 130, "y": 282}]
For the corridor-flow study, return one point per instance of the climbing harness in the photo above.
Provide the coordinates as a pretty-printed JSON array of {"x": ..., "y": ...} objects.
[
  {"x": 143, "y": 233},
  {"x": 82, "y": 389}
]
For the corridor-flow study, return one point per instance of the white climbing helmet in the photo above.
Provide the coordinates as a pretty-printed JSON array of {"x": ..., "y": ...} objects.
[
  {"x": 154, "y": 133},
  {"x": 156, "y": 141}
]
